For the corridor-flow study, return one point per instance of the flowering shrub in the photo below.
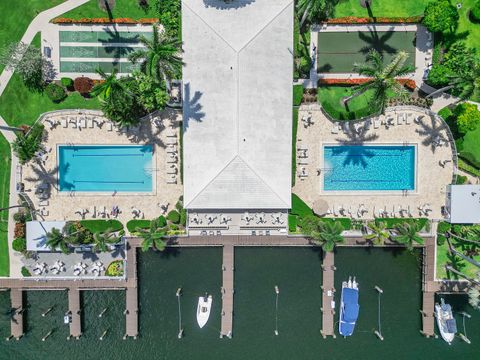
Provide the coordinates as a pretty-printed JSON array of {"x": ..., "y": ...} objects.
[
  {"x": 83, "y": 85},
  {"x": 19, "y": 231},
  {"x": 104, "y": 21},
  {"x": 367, "y": 20},
  {"x": 409, "y": 83}
]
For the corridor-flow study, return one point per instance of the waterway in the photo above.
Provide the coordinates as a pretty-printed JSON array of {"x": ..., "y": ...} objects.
[{"x": 296, "y": 272}]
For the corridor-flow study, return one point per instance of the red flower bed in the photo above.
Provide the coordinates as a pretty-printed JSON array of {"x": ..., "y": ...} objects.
[
  {"x": 378, "y": 20},
  {"x": 104, "y": 21},
  {"x": 409, "y": 83}
]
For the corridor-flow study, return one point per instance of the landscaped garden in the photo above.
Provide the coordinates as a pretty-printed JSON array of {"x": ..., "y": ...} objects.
[{"x": 380, "y": 8}]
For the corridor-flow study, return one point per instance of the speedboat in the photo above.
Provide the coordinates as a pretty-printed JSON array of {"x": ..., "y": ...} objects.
[
  {"x": 445, "y": 321},
  {"x": 203, "y": 309},
  {"x": 349, "y": 307}
]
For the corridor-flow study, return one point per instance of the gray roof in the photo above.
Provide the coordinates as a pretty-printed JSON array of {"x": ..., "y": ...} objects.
[
  {"x": 36, "y": 233},
  {"x": 238, "y": 104},
  {"x": 464, "y": 204}
]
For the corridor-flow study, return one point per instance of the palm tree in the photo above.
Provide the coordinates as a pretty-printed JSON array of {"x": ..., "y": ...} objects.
[
  {"x": 474, "y": 294},
  {"x": 153, "y": 237},
  {"x": 383, "y": 78},
  {"x": 101, "y": 240},
  {"x": 379, "y": 233},
  {"x": 408, "y": 235},
  {"x": 55, "y": 240},
  {"x": 312, "y": 10},
  {"x": 324, "y": 233},
  {"x": 466, "y": 84},
  {"x": 161, "y": 58},
  {"x": 109, "y": 85}
]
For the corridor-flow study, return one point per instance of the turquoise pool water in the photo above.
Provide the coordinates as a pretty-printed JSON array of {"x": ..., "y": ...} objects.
[
  {"x": 368, "y": 167},
  {"x": 105, "y": 168}
]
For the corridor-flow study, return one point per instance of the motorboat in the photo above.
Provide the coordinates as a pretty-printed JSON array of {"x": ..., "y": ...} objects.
[
  {"x": 445, "y": 321},
  {"x": 349, "y": 307},
  {"x": 203, "y": 309}
]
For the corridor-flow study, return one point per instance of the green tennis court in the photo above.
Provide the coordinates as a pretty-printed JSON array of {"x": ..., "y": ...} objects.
[{"x": 338, "y": 51}]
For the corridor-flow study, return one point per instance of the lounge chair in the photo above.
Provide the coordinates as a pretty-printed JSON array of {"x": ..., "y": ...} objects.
[
  {"x": 171, "y": 141},
  {"x": 110, "y": 126},
  {"x": 64, "y": 123},
  {"x": 376, "y": 123},
  {"x": 335, "y": 128},
  {"x": 408, "y": 119}
]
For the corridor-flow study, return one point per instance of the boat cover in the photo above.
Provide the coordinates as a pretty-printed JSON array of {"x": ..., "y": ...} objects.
[
  {"x": 451, "y": 326},
  {"x": 351, "y": 308}
]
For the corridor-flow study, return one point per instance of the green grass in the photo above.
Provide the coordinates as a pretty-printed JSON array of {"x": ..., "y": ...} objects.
[
  {"x": 443, "y": 258},
  {"x": 381, "y": 8},
  {"x": 391, "y": 222},
  {"x": 122, "y": 9},
  {"x": 468, "y": 168},
  {"x": 4, "y": 199},
  {"x": 19, "y": 106},
  {"x": 466, "y": 27},
  {"x": 299, "y": 207},
  {"x": 297, "y": 95},
  {"x": 294, "y": 144},
  {"x": 132, "y": 225},
  {"x": 330, "y": 97},
  {"x": 471, "y": 147},
  {"x": 15, "y": 18},
  {"x": 101, "y": 225}
]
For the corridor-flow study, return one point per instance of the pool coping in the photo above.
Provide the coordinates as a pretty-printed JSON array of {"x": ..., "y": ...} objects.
[
  {"x": 323, "y": 192},
  {"x": 153, "y": 192}
]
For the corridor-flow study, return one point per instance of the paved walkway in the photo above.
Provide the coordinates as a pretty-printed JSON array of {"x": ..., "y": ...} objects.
[
  {"x": 328, "y": 295},
  {"x": 227, "y": 291}
]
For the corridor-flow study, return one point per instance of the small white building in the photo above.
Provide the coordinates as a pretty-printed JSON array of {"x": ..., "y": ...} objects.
[
  {"x": 463, "y": 204},
  {"x": 36, "y": 234}
]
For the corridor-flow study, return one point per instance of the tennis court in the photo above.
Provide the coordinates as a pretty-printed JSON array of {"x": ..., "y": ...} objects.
[{"x": 338, "y": 51}]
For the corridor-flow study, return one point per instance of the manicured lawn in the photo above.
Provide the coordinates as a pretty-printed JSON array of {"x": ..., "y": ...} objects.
[
  {"x": 122, "y": 9},
  {"x": 466, "y": 27},
  {"x": 381, "y": 8},
  {"x": 15, "y": 18},
  {"x": 101, "y": 225},
  {"x": 471, "y": 146},
  {"x": 4, "y": 194},
  {"x": 444, "y": 258},
  {"x": 330, "y": 98}
]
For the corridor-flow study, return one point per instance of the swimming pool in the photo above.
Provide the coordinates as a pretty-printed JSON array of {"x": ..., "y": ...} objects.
[
  {"x": 106, "y": 168},
  {"x": 369, "y": 167}
]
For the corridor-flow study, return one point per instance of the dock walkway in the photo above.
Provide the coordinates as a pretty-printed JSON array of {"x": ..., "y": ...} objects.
[
  {"x": 16, "y": 297},
  {"x": 75, "y": 313},
  {"x": 328, "y": 293},
  {"x": 428, "y": 296},
  {"x": 227, "y": 291}
]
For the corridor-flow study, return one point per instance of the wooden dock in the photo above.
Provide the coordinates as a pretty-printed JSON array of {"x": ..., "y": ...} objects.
[
  {"x": 75, "y": 313},
  {"x": 328, "y": 293},
  {"x": 227, "y": 291},
  {"x": 16, "y": 297},
  {"x": 132, "y": 313},
  {"x": 428, "y": 296}
]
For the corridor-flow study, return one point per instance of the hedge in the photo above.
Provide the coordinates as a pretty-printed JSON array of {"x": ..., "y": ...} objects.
[
  {"x": 443, "y": 227},
  {"x": 378, "y": 20},
  {"x": 292, "y": 223},
  {"x": 96, "y": 226},
  {"x": 105, "y": 21},
  {"x": 19, "y": 244},
  {"x": 468, "y": 168},
  {"x": 133, "y": 225},
  {"x": 174, "y": 216},
  {"x": 25, "y": 272},
  {"x": 55, "y": 92},
  {"x": 390, "y": 223},
  {"x": 67, "y": 82},
  {"x": 297, "y": 94},
  {"x": 352, "y": 115}
]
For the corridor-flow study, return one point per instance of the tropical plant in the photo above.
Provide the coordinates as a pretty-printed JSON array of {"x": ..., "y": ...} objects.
[
  {"x": 67, "y": 82},
  {"x": 150, "y": 94},
  {"x": 122, "y": 107},
  {"x": 28, "y": 62},
  {"x": 153, "y": 237},
  {"x": 109, "y": 84},
  {"x": 101, "y": 240},
  {"x": 327, "y": 234},
  {"x": 408, "y": 234},
  {"x": 379, "y": 233},
  {"x": 313, "y": 10},
  {"x": 27, "y": 144},
  {"x": 468, "y": 117},
  {"x": 441, "y": 16},
  {"x": 464, "y": 83},
  {"x": 383, "y": 78},
  {"x": 161, "y": 57},
  {"x": 170, "y": 16},
  {"x": 475, "y": 11},
  {"x": 55, "y": 239}
]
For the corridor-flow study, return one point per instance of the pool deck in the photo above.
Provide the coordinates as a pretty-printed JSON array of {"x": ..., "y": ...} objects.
[
  {"x": 156, "y": 131},
  {"x": 434, "y": 168}
]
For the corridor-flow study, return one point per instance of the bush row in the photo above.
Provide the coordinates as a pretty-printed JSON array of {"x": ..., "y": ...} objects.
[
  {"x": 368, "y": 20},
  {"x": 105, "y": 21}
]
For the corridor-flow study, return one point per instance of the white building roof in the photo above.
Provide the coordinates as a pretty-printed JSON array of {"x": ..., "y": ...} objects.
[
  {"x": 36, "y": 233},
  {"x": 464, "y": 204},
  {"x": 237, "y": 104}
]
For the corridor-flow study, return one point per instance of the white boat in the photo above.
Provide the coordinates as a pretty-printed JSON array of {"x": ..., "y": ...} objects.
[
  {"x": 203, "y": 309},
  {"x": 445, "y": 321},
  {"x": 349, "y": 307}
]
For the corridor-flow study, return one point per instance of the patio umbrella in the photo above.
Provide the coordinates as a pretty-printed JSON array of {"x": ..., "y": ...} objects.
[{"x": 320, "y": 207}]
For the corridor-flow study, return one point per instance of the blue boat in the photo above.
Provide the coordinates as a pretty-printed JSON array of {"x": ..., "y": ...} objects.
[{"x": 349, "y": 307}]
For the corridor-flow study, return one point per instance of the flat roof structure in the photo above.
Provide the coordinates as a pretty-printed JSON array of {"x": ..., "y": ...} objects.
[
  {"x": 464, "y": 204},
  {"x": 36, "y": 234},
  {"x": 237, "y": 108}
]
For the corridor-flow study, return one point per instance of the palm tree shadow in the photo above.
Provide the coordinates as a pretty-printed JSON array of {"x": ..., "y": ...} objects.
[
  {"x": 147, "y": 132},
  {"x": 42, "y": 175},
  {"x": 357, "y": 154},
  {"x": 377, "y": 42},
  {"x": 192, "y": 108},
  {"x": 433, "y": 133},
  {"x": 117, "y": 52}
]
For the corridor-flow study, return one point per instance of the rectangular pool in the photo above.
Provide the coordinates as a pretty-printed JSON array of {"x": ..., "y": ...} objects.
[
  {"x": 369, "y": 167},
  {"x": 105, "y": 168}
]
